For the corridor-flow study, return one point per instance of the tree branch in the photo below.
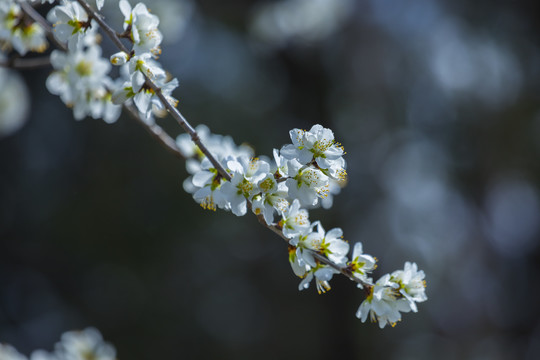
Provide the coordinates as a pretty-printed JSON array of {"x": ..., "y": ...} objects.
[
  {"x": 104, "y": 26},
  {"x": 157, "y": 133},
  {"x": 25, "y": 64}
]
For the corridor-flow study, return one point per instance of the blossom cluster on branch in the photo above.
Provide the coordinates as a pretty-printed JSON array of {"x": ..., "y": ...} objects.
[
  {"x": 301, "y": 176},
  {"x": 280, "y": 191}
]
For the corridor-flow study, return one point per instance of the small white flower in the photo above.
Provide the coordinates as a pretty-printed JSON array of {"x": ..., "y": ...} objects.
[
  {"x": 119, "y": 58},
  {"x": 71, "y": 24},
  {"x": 145, "y": 99},
  {"x": 273, "y": 196},
  {"x": 208, "y": 182},
  {"x": 306, "y": 183},
  {"x": 316, "y": 144},
  {"x": 361, "y": 264},
  {"x": 298, "y": 265},
  {"x": 243, "y": 185},
  {"x": 143, "y": 28},
  {"x": 411, "y": 284},
  {"x": 281, "y": 168},
  {"x": 322, "y": 274},
  {"x": 80, "y": 79},
  {"x": 143, "y": 64},
  {"x": 295, "y": 220},
  {"x": 329, "y": 244},
  {"x": 384, "y": 303}
]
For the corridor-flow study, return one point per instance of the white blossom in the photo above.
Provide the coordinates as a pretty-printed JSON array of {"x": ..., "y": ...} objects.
[
  {"x": 148, "y": 102},
  {"x": 142, "y": 27},
  {"x": 71, "y": 25},
  {"x": 207, "y": 187},
  {"x": 411, "y": 284},
  {"x": 330, "y": 244},
  {"x": 143, "y": 64},
  {"x": 82, "y": 82},
  {"x": 119, "y": 58},
  {"x": 322, "y": 275},
  {"x": 316, "y": 144},
  {"x": 298, "y": 265},
  {"x": 294, "y": 220},
  {"x": 243, "y": 185},
  {"x": 384, "y": 303},
  {"x": 306, "y": 183},
  {"x": 361, "y": 264},
  {"x": 272, "y": 197}
]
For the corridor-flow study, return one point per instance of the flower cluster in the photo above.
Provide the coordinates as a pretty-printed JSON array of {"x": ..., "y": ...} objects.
[
  {"x": 18, "y": 31},
  {"x": 306, "y": 170},
  {"x": 392, "y": 294},
  {"x": 74, "y": 345},
  {"x": 140, "y": 26},
  {"x": 296, "y": 179},
  {"x": 81, "y": 74},
  {"x": 280, "y": 190}
]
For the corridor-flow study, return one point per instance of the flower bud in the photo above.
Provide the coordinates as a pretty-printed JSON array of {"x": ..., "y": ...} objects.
[{"x": 120, "y": 58}]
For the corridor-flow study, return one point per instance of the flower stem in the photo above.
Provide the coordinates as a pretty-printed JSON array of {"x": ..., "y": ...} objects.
[{"x": 26, "y": 64}]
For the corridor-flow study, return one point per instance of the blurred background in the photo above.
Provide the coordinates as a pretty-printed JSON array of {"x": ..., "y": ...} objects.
[{"x": 437, "y": 105}]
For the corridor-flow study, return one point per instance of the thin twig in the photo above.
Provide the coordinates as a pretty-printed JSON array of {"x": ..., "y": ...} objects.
[
  {"x": 26, "y": 64},
  {"x": 104, "y": 26},
  {"x": 157, "y": 132},
  {"x": 188, "y": 128}
]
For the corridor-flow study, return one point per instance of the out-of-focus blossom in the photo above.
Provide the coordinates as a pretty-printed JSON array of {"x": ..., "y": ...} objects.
[
  {"x": 85, "y": 344},
  {"x": 80, "y": 79},
  {"x": 14, "y": 102},
  {"x": 8, "y": 352},
  {"x": 18, "y": 31}
]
